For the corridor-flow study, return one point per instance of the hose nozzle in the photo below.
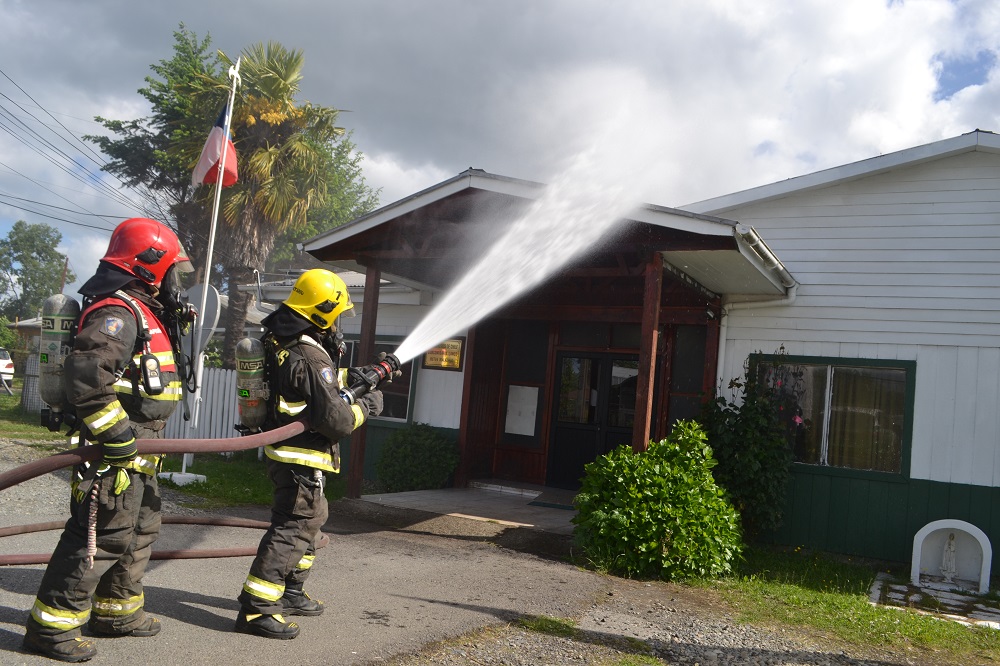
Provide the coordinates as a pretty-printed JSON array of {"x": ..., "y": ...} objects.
[{"x": 370, "y": 377}]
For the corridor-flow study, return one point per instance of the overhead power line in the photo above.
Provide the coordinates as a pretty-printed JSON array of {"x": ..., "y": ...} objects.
[{"x": 30, "y": 131}]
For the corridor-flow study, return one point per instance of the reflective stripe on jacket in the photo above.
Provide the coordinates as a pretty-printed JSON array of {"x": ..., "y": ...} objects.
[{"x": 308, "y": 386}]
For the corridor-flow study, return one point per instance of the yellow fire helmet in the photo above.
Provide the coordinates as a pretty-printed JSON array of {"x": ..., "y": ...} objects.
[{"x": 320, "y": 296}]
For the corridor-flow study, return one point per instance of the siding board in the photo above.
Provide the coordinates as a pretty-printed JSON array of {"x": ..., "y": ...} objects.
[
  {"x": 881, "y": 516},
  {"x": 857, "y": 516},
  {"x": 840, "y": 520},
  {"x": 819, "y": 509},
  {"x": 942, "y": 426},
  {"x": 877, "y": 507},
  {"x": 963, "y": 438}
]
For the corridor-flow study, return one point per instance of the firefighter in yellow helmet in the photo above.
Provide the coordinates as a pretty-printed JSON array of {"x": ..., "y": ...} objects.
[{"x": 302, "y": 358}]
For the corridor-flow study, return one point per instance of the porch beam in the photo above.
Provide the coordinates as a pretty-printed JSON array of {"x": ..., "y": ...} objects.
[
  {"x": 652, "y": 292},
  {"x": 366, "y": 352}
]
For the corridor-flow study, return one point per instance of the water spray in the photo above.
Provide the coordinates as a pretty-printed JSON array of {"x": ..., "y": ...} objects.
[{"x": 573, "y": 215}]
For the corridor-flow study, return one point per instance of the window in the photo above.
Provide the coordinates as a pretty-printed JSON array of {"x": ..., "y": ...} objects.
[
  {"x": 396, "y": 394},
  {"x": 840, "y": 413}
]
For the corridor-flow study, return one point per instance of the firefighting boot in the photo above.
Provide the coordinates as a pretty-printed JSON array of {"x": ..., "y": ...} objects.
[
  {"x": 73, "y": 650},
  {"x": 268, "y": 626},
  {"x": 297, "y": 602},
  {"x": 150, "y": 627}
]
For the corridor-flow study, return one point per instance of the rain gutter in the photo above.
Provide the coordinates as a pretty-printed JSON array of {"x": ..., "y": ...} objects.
[{"x": 771, "y": 264}]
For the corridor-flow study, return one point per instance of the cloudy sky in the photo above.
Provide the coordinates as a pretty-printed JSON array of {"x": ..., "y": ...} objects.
[{"x": 687, "y": 100}]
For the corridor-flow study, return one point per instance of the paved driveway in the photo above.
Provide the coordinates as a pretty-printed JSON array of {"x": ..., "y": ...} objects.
[{"x": 387, "y": 591}]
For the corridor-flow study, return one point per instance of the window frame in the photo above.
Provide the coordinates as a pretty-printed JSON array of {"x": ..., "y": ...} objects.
[{"x": 909, "y": 398}]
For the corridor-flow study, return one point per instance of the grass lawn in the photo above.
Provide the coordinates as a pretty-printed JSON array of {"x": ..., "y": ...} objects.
[
  {"x": 830, "y": 594},
  {"x": 21, "y": 426},
  {"x": 235, "y": 479}
]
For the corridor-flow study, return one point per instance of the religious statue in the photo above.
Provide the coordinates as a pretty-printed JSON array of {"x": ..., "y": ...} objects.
[{"x": 948, "y": 569}]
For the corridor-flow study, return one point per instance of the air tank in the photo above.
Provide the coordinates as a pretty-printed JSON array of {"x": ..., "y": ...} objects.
[
  {"x": 59, "y": 314},
  {"x": 251, "y": 387}
]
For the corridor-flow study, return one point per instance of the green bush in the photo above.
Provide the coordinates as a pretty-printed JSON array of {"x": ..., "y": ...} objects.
[
  {"x": 416, "y": 458},
  {"x": 658, "y": 513},
  {"x": 750, "y": 442}
]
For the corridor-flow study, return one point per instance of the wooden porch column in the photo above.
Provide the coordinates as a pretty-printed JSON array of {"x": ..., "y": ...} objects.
[
  {"x": 366, "y": 353},
  {"x": 464, "y": 446},
  {"x": 647, "y": 352}
]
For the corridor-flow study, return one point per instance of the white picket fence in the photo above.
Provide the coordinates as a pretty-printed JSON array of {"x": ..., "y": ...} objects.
[{"x": 213, "y": 412}]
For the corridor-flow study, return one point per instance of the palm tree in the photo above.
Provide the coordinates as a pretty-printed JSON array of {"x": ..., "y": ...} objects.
[{"x": 283, "y": 149}]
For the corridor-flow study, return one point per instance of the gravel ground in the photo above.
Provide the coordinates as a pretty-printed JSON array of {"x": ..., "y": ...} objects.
[
  {"x": 633, "y": 623},
  {"x": 655, "y": 623},
  {"x": 49, "y": 494}
]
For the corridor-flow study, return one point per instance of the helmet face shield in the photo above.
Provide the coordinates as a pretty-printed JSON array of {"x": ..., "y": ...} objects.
[{"x": 182, "y": 262}]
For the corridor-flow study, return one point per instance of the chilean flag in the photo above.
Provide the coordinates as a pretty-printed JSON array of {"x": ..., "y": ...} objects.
[{"x": 207, "y": 169}]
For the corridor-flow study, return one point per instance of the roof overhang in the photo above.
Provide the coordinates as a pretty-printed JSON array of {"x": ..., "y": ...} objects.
[{"x": 468, "y": 212}]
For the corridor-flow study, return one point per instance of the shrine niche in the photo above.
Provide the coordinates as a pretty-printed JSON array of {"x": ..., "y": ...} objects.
[{"x": 951, "y": 554}]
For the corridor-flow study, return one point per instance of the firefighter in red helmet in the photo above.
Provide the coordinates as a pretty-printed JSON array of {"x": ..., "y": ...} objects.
[{"x": 123, "y": 380}]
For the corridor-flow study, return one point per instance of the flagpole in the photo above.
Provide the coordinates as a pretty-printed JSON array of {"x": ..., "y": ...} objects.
[{"x": 234, "y": 74}]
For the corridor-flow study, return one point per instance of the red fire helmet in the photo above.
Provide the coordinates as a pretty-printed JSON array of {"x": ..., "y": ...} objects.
[{"x": 146, "y": 249}]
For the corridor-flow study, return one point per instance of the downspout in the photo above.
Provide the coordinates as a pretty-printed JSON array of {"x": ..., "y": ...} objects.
[{"x": 772, "y": 264}]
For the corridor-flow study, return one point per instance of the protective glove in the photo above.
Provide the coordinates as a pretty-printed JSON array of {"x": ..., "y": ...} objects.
[
  {"x": 395, "y": 373},
  {"x": 372, "y": 401},
  {"x": 119, "y": 475}
]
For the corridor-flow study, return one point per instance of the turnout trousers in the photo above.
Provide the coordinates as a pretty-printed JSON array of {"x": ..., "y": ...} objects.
[
  {"x": 287, "y": 549},
  {"x": 109, "y": 594}
]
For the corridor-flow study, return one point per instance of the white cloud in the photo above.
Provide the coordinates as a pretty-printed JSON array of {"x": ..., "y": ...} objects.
[
  {"x": 85, "y": 251},
  {"x": 723, "y": 94},
  {"x": 397, "y": 180}
]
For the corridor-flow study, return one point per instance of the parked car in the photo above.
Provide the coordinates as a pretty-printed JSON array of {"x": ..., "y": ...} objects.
[{"x": 6, "y": 366}]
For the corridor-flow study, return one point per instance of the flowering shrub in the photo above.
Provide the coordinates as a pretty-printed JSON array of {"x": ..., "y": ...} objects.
[{"x": 750, "y": 441}]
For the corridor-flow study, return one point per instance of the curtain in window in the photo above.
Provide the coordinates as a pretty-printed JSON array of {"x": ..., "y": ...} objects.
[{"x": 866, "y": 418}]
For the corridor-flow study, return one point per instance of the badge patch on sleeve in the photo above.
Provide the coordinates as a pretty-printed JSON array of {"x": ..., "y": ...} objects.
[
  {"x": 327, "y": 374},
  {"x": 113, "y": 326}
]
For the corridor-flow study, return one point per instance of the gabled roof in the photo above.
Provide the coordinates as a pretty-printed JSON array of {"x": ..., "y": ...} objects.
[
  {"x": 428, "y": 238},
  {"x": 976, "y": 140}
]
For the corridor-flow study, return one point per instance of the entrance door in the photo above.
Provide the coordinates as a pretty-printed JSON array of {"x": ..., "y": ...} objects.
[{"x": 593, "y": 412}]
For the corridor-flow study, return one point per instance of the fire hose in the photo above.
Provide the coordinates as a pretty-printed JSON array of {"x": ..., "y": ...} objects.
[
  {"x": 364, "y": 379},
  {"x": 150, "y": 446}
]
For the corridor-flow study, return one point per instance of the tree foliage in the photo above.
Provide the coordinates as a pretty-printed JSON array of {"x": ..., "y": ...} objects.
[
  {"x": 350, "y": 198},
  {"x": 31, "y": 269},
  {"x": 288, "y": 170},
  {"x": 9, "y": 339},
  {"x": 299, "y": 172},
  {"x": 153, "y": 153}
]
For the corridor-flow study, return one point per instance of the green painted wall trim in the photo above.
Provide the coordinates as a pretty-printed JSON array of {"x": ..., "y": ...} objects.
[{"x": 873, "y": 517}]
